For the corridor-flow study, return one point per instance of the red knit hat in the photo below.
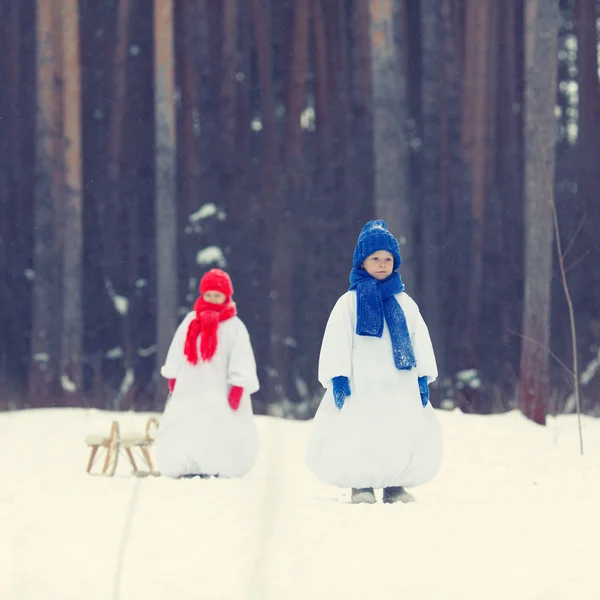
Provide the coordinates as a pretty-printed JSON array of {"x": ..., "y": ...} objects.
[{"x": 217, "y": 281}]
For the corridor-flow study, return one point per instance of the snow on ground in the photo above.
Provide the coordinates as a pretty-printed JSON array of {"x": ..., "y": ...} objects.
[{"x": 514, "y": 514}]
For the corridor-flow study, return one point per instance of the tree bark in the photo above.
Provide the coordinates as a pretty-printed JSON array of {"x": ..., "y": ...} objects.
[
  {"x": 114, "y": 209},
  {"x": 509, "y": 173},
  {"x": 268, "y": 133},
  {"x": 362, "y": 163},
  {"x": 322, "y": 80},
  {"x": 588, "y": 146},
  {"x": 454, "y": 189},
  {"x": 45, "y": 344},
  {"x": 282, "y": 297},
  {"x": 166, "y": 197},
  {"x": 190, "y": 175},
  {"x": 432, "y": 296},
  {"x": 118, "y": 99},
  {"x": 389, "y": 123},
  {"x": 189, "y": 51},
  {"x": 13, "y": 243},
  {"x": 541, "y": 19},
  {"x": 477, "y": 121},
  {"x": 269, "y": 167},
  {"x": 228, "y": 88},
  {"x": 72, "y": 324}
]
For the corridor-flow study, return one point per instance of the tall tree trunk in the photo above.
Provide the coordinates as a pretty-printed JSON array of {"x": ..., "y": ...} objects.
[
  {"x": 476, "y": 120},
  {"x": 243, "y": 222},
  {"x": 282, "y": 298},
  {"x": 509, "y": 172},
  {"x": 341, "y": 179},
  {"x": 588, "y": 140},
  {"x": 12, "y": 90},
  {"x": 322, "y": 81},
  {"x": 72, "y": 325},
  {"x": 268, "y": 133},
  {"x": 362, "y": 163},
  {"x": 118, "y": 101},
  {"x": 117, "y": 233},
  {"x": 12, "y": 245},
  {"x": 228, "y": 89},
  {"x": 588, "y": 145},
  {"x": 454, "y": 189},
  {"x": 541, "y": 18},
  {"x": 45, "y": 347},
  {"x": 190, "y": 175},
  {"x": 389, "y": 123},
  {"x": 209, "y": 28},
  {"x": 190, "y": 35},
  {"x": 269, "y": 167},
  {"x": 166, "y": 197},
  {"x": 431, "y": 97}
]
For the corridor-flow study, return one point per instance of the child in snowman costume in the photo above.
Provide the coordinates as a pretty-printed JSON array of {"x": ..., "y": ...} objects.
[
  {"x": 375, "y": 426},
  {"x": 208, "y": 425}
]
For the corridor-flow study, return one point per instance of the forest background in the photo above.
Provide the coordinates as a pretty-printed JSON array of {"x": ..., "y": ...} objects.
[{"x": 144, "y": 142}]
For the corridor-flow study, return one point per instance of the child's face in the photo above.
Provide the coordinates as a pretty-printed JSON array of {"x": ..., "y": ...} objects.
[
  {"x": 380, "y": 264},
  {"x": 214, "y": 297}
]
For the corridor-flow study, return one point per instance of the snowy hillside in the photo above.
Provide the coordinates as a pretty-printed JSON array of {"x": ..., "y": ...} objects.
[{"x": 513, "y": 515}]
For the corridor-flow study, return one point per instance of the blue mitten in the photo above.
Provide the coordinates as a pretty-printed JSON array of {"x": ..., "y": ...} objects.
[
  {"x": 341, "y": 390},
  {"x": 424, "y": 389}
]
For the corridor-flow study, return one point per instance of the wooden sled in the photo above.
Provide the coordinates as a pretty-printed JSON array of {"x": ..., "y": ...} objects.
[
  {"x": 115, "y": 442},
  {"x": 111, "y": 445},
  {"x": 143, "y": 442}
]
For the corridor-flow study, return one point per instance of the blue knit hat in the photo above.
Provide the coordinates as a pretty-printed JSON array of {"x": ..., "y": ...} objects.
[{"x": 375, "y": 236}]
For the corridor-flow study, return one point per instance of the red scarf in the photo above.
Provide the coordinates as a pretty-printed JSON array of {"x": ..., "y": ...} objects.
[{"x": 206, "y": 323}]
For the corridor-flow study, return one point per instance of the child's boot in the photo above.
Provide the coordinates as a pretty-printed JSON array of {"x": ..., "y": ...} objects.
[
  {"x": 365, "y": 495},
  {"x": 396, "y": 494}
]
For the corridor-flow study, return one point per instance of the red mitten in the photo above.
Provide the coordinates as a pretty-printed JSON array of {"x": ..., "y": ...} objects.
[
  {"x": 172, "y": 385},
  {"x": 235, "y": 395}
]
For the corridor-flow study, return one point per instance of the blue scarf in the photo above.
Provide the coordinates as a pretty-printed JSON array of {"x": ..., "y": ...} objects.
[{"x": 374, "y": 301}]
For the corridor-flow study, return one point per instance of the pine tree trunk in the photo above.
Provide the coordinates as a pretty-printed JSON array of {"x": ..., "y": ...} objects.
[
  {"x": 588, "y": 146},
  {"x": 362, "y": 160},
  {"x": 190, "y": 176},
  {"x": 268, "y": 133},
  {"x": 269, "y": 166},
  {"x": 243, "y": 222},
  {"x": 281, "y": 292},
  {"x": 454, "y": 189},
  {"x": 12, "y": 240},
  {"x": 541, "y": 19},
  {"x": 166, "y": 197},
  {"x": 118, "y": 93},
  {"x": 322, "y": 82},
  {"x": 45, "y": 343},
  {"x": 72, "y": 326},
  {"x": 228, "y": 88},
  {"x": 389, "y": 124},
  {"x": 477, "y": 119},
  {"x": 188, "y": 50},
  {"x": 337, "y": 168},
  {"x": 431, "y": 296},
  {"x": 509, "y": 168}
]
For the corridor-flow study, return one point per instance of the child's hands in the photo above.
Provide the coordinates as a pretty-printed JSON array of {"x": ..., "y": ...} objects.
[
  {"x": 424, "y": 389},
  {"x": 172, "y": 385},
  {"x": 235, "y": 395},
  {"x": 341, "y": 390}
]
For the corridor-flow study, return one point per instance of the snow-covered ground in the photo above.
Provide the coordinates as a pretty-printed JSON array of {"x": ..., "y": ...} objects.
[{"x": 514, "y": 514}]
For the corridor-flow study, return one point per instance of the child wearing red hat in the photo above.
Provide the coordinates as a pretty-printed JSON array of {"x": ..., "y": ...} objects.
[{"x": 208, "y": 425}]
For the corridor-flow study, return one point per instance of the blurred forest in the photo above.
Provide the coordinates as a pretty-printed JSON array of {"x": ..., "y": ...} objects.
[{"x": 144, "y": 142}]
